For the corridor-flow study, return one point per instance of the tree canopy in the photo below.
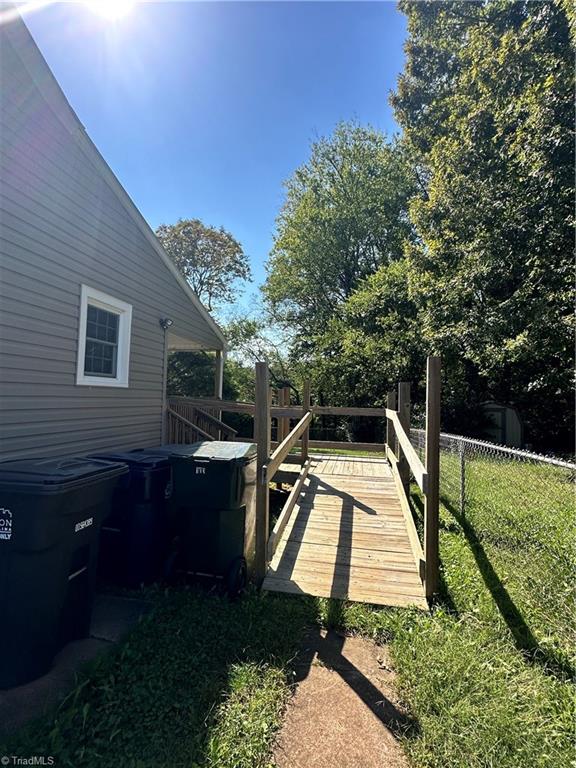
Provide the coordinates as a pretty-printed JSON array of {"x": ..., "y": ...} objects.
[
  {"x": 344, "y": 216},
  {"x": 486, "y": 107},
  {"x": 457, "y": 238},
  {"x": 211, "y": 259}
]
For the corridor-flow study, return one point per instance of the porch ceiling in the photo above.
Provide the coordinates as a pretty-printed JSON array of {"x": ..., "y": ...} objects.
[{"x": 182, "y": 344}]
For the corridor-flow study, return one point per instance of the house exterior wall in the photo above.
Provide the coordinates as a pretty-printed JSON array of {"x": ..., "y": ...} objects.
[{"x": 62, "y": 224}]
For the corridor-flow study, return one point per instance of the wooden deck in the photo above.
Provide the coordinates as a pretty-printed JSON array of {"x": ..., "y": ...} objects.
[{"x": 347, "y": 537}]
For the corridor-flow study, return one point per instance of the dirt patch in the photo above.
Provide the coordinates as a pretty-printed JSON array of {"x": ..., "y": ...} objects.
[{"x": 344, "y": 713}]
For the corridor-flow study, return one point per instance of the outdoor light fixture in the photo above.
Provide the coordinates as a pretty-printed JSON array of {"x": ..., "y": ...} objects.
[{"x": 166, "y": 322}]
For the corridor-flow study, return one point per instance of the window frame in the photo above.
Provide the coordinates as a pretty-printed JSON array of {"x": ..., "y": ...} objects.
[{"x": 95, "y": 298}]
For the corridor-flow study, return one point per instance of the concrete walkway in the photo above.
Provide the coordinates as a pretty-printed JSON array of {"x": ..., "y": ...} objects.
[
  {"x": 112, "y": 618},
  {"x": 344, "y": 713}
]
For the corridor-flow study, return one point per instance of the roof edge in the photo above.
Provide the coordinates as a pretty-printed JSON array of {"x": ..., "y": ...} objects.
[{"x": 80, "y": 134}]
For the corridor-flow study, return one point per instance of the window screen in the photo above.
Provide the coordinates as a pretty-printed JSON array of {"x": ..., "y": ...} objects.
[{"x": 101, "y": 358}]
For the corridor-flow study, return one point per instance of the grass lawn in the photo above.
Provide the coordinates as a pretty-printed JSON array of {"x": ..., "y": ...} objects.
[
  {"x": 486, "y": 675},
  {"x": 200, "y": 682},
  {"x": 343, "y": 452}
]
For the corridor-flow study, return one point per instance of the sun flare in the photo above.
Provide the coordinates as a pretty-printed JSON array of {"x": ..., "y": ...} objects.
[{"x": 111, "y": 9}]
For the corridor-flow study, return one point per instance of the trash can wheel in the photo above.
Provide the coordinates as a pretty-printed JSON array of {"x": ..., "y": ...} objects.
[{"x": 236, "y": 578}]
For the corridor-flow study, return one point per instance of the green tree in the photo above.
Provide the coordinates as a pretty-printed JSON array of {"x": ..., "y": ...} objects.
[
  {"x": 211, "y": 260},
  {"x": 374, "y": 342},
  {"x": 253, "y": 339},
  {"x": 486, "y": 106},
  {"x": 344, "y": 216}
]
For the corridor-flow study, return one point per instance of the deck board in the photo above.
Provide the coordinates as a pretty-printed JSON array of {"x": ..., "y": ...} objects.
[{"x": 347, "y": 537}]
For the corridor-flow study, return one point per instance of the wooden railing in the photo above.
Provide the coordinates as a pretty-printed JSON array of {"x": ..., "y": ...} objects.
[
  {"x": 189, "y": 420},
  {"x": 285, "y": 447},
  {"x": 269, "y": 462},
  {"x": 405, "y": 463},
  {"x": 417, "y": 468},
  {"x": 403, "y": 458},
  {"x": 182, "y": 431},
  {"x": 206, "y": 423}
]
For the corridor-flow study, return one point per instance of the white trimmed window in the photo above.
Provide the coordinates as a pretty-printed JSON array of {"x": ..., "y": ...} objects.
[{"x": 104, "y": 340}]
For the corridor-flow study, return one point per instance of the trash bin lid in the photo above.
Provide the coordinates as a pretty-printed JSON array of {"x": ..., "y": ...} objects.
[
  {"x": 215, "y": 450},
  {"x": 135, "y": 460},
  {"x": 53, "y": 473}
]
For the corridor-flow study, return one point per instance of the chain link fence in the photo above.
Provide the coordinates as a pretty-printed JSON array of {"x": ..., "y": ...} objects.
[
  {"x": 516, "y": 496},
  {"x": 516, "y": 510}
]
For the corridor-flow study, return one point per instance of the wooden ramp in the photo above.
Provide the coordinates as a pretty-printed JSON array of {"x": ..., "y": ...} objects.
[{"x": 347, "y": 537}]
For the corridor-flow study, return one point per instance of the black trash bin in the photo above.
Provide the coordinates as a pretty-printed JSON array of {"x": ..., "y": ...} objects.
[
  {"x": 133, "y": 539},
  {"x": 50, "y": 514},
  {"x": 212, "y": 510}
]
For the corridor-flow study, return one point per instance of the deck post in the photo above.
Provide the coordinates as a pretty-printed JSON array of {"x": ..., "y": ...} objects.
[
  {"x": 276, "y": 393},
  {"x": 219, "y": 374},
  {"x": 432, "y": 460},
  {"x": 404, "y": 417},
  {"x": 282, "y": 422},
  {"x": 262, "y": 439},
  {"x": 390, "y": 434},
  {"x": 219, "y": 382},
  {"x": 305, "y": 408},
  {"x": 285, "y": 420}
]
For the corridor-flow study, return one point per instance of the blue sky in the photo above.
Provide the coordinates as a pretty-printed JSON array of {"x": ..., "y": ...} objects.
[{"x": 204, "y": 109}]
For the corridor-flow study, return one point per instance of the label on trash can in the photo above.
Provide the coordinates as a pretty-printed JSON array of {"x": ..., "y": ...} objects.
[
  {"x": 83, "y": 524},
  {"x": 5, "y": 524}
]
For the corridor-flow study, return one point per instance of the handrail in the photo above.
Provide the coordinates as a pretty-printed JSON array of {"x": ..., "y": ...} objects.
[
  {"x": 230, "y": 406},
  {"x": 286, "y": 446},
  {"x": 174, "y": 414},
  {"x": 329, "y": 410},
  {"x": 217, "y": 422},
  {"x": 404, "y": 459},
  {"x": 289, "y": 505},
  {"x": 418, "y": 469},
  {"x": 292, "y": 412}
]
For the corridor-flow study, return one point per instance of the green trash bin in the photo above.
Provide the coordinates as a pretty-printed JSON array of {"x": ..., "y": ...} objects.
[
  {"x": 212, "y": 510},
  {"x": 50, "y": 515}
]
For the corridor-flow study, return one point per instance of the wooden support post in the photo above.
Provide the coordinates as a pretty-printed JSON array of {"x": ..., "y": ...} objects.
[
  {"x": 262, "y": 439},
  {"x": 219, "y": 383},
  {"x": 285, "y": 420},
  {"x": 276, "y": 393},
  {"x": 404, "y": 417},
  {"x": 432, "y": 459},
  {"x": 390, "y": 434},
  {"x": 306, "y": 408},
  {"x": 219, "y": 374}
]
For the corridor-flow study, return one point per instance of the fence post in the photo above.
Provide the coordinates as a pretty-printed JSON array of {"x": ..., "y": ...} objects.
[
  {"x": 305, "y": 408},
  {"x": 462, "y": 453},
  {"x": 404, "y": 417},
  {"x": 262, "y": 438},
  {"x": 390, "y": 434},
  {"x": 432, "y": 458}
]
